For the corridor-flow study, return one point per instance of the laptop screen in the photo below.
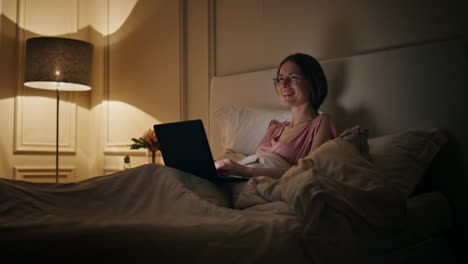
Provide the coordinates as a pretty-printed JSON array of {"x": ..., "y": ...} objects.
[{"x": 184, "y": 146}]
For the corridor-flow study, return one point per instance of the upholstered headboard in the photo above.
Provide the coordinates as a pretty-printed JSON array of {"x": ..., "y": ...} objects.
[{"x": 415, "y": 87}]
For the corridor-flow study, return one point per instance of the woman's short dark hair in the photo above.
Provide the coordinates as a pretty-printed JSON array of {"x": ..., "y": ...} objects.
[{"x": 312, "y": 71}]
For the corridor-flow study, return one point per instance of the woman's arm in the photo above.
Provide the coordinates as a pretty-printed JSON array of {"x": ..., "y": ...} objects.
[
  {"x": 323, "y": 133},
  {"x": 236, "y": 168},
  {"x": 275, "y": 173}
]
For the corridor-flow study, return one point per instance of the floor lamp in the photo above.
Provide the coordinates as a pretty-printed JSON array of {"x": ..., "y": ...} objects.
[{"x": 58, "y": 64}]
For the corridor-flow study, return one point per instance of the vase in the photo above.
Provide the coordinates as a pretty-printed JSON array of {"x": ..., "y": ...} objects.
[{"x": 150, "y": 156}]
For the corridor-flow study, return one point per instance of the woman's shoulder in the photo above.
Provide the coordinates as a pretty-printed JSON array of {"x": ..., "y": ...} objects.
[
  {"x": 325, "y": 121},
  {"x": 325, "y": 116},
  {"x": 277, "y": 123},
  {"x": 322, "y": 117}
]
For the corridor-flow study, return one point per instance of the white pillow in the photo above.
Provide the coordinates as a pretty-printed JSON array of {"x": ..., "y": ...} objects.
[
  {"x": 404, "y": 157},
  {"x": 240, "y": 129}
]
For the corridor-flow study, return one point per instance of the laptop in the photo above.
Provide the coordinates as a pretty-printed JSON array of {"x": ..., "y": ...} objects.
[{"x": 184, "y": 146}]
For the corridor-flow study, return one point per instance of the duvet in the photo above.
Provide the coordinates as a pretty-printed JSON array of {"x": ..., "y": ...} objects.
[{"x": 330, "y": 208}]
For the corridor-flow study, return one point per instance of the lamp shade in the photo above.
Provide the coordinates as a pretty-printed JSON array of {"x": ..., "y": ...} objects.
[{"x": 58, "y": 63}]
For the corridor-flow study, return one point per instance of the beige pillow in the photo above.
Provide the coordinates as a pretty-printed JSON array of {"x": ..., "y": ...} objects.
[
  {"x": 346, "y": 159},
  {"x": 404, "y": 157}
]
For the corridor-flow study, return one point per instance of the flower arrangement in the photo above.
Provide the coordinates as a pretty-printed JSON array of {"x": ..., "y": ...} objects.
[{"x": 147, "y": 141}]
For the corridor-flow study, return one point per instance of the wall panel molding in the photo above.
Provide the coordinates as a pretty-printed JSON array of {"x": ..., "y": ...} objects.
[
  {"x": 183, "y": 59},
  {"x": 111, "y": 147},
  {"x": 143, "y": 88},
  {"x": 27, "y": 141},
  {"x": 43, "y": 174},
  {"x": 35, "y": 110},
  {"x": 108, "y": 171},
  {"x": 211, "y": 40}
]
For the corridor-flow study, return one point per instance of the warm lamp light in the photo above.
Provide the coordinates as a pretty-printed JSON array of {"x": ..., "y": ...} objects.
[{"x": 58, "y": 64}]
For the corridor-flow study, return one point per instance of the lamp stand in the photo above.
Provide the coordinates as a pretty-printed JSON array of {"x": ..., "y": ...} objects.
[
  {"x": 59, "y": 64},
  {"x": 57, "y": 138}
]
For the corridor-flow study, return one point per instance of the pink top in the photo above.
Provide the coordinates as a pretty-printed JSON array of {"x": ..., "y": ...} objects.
[{"x": 298, "y": 144}]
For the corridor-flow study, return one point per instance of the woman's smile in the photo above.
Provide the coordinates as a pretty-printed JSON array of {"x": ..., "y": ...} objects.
[
  {"x": 287, "y": 93},
  {"x": 291, "y": 86}
]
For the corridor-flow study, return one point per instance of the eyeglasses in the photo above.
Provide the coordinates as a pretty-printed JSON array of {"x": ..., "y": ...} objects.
[{"x": 290, "y": 78}]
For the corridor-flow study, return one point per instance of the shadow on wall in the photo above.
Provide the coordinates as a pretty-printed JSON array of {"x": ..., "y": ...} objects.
[
  {"x": 334, "y": 104},
  {"x": 129, "y": 86},
  {"x": 411, "y": 88},
  {"x": 144, "y": 60},
  {"x": 336, "y": 71},
  {"x": 8, "y": 77},
  {"x": 8, "y": 63}
]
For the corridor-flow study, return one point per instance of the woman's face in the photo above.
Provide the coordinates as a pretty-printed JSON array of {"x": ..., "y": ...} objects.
[{"x": 292, "y": 88}]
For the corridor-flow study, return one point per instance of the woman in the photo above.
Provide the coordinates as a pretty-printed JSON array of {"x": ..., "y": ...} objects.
[{"x": 302, "y": 86}]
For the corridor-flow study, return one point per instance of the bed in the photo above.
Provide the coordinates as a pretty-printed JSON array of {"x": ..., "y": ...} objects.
[
  {"x": 360, "y": 197},
  {"x": 344, "y": 212}
]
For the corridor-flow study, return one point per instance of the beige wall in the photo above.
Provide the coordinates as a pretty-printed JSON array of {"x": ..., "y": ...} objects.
[
  {"x": 143, "y": 85},
  {"x": 198, "y": 15},
  {"x": 8, "y": 65},
  {"x": 154, "y": 60},
  {"x": 30, "y": 139},
  {"x": 136, "y": 83},
  {"x": 256, "y": 34}
]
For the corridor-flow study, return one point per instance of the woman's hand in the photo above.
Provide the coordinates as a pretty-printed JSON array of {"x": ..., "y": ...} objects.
[{"x": 227, "y": 165}]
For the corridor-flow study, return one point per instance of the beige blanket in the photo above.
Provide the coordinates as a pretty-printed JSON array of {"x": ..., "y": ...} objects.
[
  {"x": 333, "y": 207},
  {"x": 345, "y": 206}
]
